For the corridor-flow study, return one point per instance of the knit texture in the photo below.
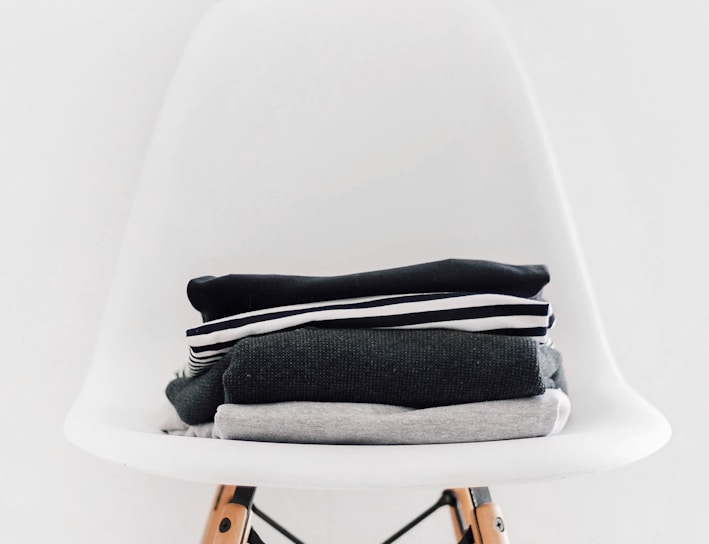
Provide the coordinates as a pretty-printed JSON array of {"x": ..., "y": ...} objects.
[
  {"x": 218, "y": 297},
  {"x": 418, "y": 369},
  {"x": 197, "y": 399}
]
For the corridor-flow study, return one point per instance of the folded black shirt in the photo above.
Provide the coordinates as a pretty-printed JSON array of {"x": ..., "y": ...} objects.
[{"x": 218, "y": 297}]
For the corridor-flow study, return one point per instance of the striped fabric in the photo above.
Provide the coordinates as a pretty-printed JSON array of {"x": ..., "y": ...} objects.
[{"x": 490, "y": 313}]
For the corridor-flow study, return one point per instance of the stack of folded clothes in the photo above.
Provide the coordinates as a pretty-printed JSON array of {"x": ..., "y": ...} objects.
[{"x": 447, "y": 351}]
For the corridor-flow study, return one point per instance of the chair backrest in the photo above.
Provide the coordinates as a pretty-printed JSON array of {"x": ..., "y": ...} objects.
[{"x": 319, "y": 137}]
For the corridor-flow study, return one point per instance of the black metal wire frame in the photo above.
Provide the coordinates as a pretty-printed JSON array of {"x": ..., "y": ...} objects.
[
  {"x": 447, "y": 498},
  {"x": 278, "y": 527}
]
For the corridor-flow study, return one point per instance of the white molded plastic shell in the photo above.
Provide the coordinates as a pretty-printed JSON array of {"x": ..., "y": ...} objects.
[{"x": 328, "y": 137}]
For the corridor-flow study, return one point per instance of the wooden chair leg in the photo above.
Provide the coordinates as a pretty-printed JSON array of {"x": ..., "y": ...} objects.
[
  {"x": 480, "y": 514},
  {"x": 229, "y": 520}
]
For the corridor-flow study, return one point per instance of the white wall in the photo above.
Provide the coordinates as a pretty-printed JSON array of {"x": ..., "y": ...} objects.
[{"x": 622, "y": 86}]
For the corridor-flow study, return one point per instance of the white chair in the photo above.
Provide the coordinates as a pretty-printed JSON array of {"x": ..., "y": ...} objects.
[{"x": 328, "y": 137}]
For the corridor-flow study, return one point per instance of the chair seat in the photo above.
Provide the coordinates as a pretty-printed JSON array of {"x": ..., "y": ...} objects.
[
  {"x": 321, "y": 137},
  {"x": 616, "y": 430}
]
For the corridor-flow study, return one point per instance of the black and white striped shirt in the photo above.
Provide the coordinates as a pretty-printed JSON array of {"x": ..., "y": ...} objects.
[{"x": 490, "y": 313}]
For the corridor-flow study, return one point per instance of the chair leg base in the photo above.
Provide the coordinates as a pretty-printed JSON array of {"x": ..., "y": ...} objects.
[{"x": 476, "y": 519}]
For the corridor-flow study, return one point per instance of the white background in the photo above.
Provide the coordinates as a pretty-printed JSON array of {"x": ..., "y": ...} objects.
[{"x": 623, "y": 86}]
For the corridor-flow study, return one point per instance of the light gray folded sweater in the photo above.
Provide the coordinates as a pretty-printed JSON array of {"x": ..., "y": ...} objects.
[{"x": 360, "y": 423}]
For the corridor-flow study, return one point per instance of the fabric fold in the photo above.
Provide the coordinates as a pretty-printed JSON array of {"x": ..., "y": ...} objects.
[
  {"x": 419, "y": 369},
  {"x": 196, "y": 399}
]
